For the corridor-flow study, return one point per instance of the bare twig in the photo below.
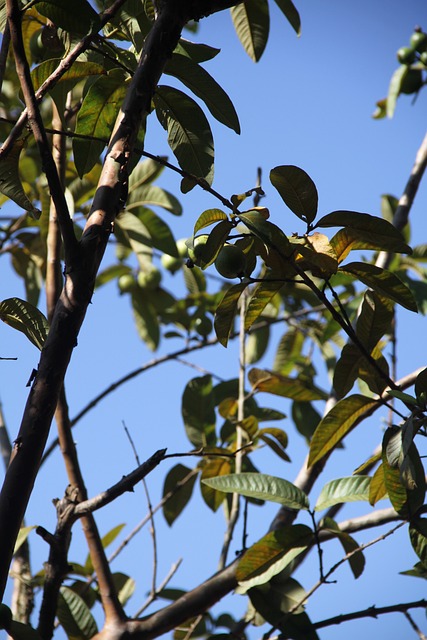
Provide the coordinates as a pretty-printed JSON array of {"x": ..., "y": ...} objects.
[
  {"x": 414, "y": 625},
  {"x": 154, "y": 594},
  {"x": 371, "y": 612}
]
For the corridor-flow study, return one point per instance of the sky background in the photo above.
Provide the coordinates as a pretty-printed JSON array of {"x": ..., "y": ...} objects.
[{"x": 308, "y": 103}]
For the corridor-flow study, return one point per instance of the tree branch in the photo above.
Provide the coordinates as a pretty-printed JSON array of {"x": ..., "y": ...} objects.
[{"x": 371, "y": 612}]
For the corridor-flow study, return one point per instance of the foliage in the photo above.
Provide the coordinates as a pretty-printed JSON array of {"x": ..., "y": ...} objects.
[{"x": 84, "y": 73}]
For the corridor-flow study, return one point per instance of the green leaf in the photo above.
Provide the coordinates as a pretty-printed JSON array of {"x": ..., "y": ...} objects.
[
  {"x": 288, "y": 351},
  {"x": 146, "y": 320},
  {"x": 306, "y": 418},
  {"x": 363, "y": 231},
  {"x": 297, "y": 190},
  {"x": 251, "y": 21},
  {"x": 201, "y": 83},
  {"x": 10, "y": 183},
  {"x": 208, "y": 217},
  {"x": 81, "y": 20},
  {"x": 394, "y": 88},
  {"x": 418, "y": 537},
  {"x": 260, "y": 298},
  {"x": 289, "y": 10},
  {"x": 268, "y": 232},
  {"x": 356, "y": 560},
  {"x": 159, "y": 233},
  {"x": 213, "y": 468},
  {"x": 374, "y": 319},
  {"x": 23, "y": 534},
  {"x": 189, "y": 134},
  {"x": 125, "y": 586},
  {"x": 377, "y": 489},
  {"x": 337, "y": 423},
  {"x": 418, "y": 571},
  {"x": 384, "y": 282},
  {"x": 24, "y": 317},
  {"x": 96, "y": 118},
  {"x": 106, "y": 540},
  {"x": 262, "y": 487},
  {"x": 226, "y": 312},
  {"x": 257, "y": 344},
  {"x": 174, "y": 505},
  {"x": 196, "y": 51},
  {"x": 351, "y": 489},
  {"x": 132, "y": 233},
  {"x": 74, "y": 616},
  {"x": 198, "y": 411},
  {"x": 295, "y": 388},
  {"x": 270, "y": 555},
  {"x": 150, "y": 194}
]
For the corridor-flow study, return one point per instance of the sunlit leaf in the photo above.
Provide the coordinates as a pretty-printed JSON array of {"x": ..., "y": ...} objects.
[
  {"x": 10, "y": 182},
  {"x": 208, "y": 217},
  {"x": 263, "y": 487},
  {"x": 295, "y": 388},
  {"x": 251, "y": 20},
  {"x": 337, "y": 423},
  {"x": 384, "y": 282},
  {"x": 74, "y": 615},
  {"x": 297, "y": 190},
  {"x": 264, "y": 292},
  {"x": 351, "y": 489},
  {"x": 214, "y": 468},
  {"x": 201, "y": 83},
  {"x": 226, "y": 312},
  {"x": 377, "y": 488},
  {"x": 152, "y": 195},
  {"x": 394, "y": 88},
  {"x": 189, "y": 134},
  {"x": 125, "y": 586},
  {"x": 160, "y": 236},
  {"x": 23, "y": 534},
  {"x": 24, "y": 317},
  {"x": 288, "y": 351}
]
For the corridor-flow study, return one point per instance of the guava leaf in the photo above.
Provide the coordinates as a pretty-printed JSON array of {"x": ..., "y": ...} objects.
[
  {"x": 289, "y": 10},
  {"x": 74, "y": 615},
  {"x": 226, "y": 312},
  {"x": 295, "y": 388},
  {"x": 297, "y": 190},
  {"x": 351, "y": 489},
  {"x": 24, "y": 317},
  {"x": 10, "y": 182},
  {"x": 251, "y": 21}
]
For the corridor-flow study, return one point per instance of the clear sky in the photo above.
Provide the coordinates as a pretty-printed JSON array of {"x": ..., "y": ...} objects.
[{"x": 308, "y": 103}]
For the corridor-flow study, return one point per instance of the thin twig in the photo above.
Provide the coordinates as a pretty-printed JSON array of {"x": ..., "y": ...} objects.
[
  {"x": 371, "y": 612},
  {"x": 415, "y": 627},
  {"x": 153, "y": 596}
]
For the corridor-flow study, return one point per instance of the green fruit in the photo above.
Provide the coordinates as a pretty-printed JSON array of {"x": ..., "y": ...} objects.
[
  {"x": 149, "y": 279},
  {"x": 406, "y": 55},
  {"x": 231, "y": 262},
  {"x": 203, "y": 326},
  {"x": 412, "y": 81},
  {"x": 170, "y": 263},
  {"x": 182, "y": 247},
  {"x": 126, "y": 283},
  {"x": 419, "y": 41},
  {"x": 423, "y": 58},
  {"x": 195, "y": 252},
  {"x": 5, "y": 616},
  {"x": 36, "y": 46}
]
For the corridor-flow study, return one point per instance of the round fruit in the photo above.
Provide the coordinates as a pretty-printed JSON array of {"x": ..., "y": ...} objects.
[
  {"x": 5, "y": 616},
  {"x": 423, "y": 58},
  {"x": 182, "y": 247},
  {"x": 406, "y": 55},
  {"x": 419, "y": 41},
  {"x": 149, "y": 279},
  {"x": 203, "y": 326},
  {"x": 126, "y": 283},
  {"x": 196, "y": 251},
  {"x": 412, "y": 81},
  {"x": 36, "y": 46},
  {"x": 231, "y": 262},
  {"x": 170, "y": 263}
]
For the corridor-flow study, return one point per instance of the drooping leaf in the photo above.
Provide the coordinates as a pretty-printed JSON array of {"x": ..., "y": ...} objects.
[
  {"x": 351, "y": 489},
  {"x": 145, "y": 173},
  {"x": 208, "y": 217},
  {"x": 306, "y": 418},
  {"x": 159, "y": 234},
  {"x": 198, "y": 411},
  {"x": 315, "y": 253},
  {"x": 377, "y": 488},
  {"x": 74, "y": 615},
  {"x": 374, "y": 319},
  {"x": 264, "y": 292},
  {"x": 288, "y": 351},
  {"x": 146, "y": 320},
  {"x": 150, "y": 194},
  {"x": 96, "y": 118},
  {"x": 418, "y": 537},
  {"x": 125, "y": 586},
  {"x": 363, "y": 231},
  {"x": 257, "y": 344},
  {"x": 297, "y": 190},
  {"x": 384, "y": 282},
  {"x": 263, "y": 487},
  {"x": 24, "y": 317},
  {"x": 215, "y": 242},
  {"x": 394, "y": 88},
  {"x": 82, "y": 20},
  {"x": 289, "y": 10},
  {"x": 337, "y": 423},
  {"x": 356, "y": 560},
  {"x": 201, "y": 83},
  {"x": 185, "y": 477},
  {"x": 10, "y": 182},
  {"x": 214, "y": 468},
  {"x": 270, "y": 555},
  {"x": 295, "y": 388},
  {"x": 23, "y": 534},
  {"x": 251, "y": 21},
  {"x": 226, "y": 312},
  {"x": 189, "y": 134},
  {"x": 196, "y": 51},
  {"x": 132, "y": 233}
]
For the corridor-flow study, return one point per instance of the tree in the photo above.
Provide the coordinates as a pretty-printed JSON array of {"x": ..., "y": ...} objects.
[{"x": 304, "y": 279}]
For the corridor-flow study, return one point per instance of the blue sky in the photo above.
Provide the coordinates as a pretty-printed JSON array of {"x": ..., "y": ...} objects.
[{"x": 308, "y": 103}]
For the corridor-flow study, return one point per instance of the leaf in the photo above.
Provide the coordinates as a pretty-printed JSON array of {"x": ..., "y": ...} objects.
[
  {"x": 24, "y": 317},
  {"x": 23, "y": 534},
  {"x": 81, "y": 20},
  {"x": 268, "y": 232},
  {"x": 198, "y": 411},
  {"x": 251, "y": 21},
  {"x": 257, "y": 344},
  {"x": 289, "y": 10},
  {"x": 377, "y": 488},
  {"x": 337, "y": 423},
  {"x": 146, "y": 320},
  {"x": 226, "y": 312},
  {"x": 125, "y": 586},
  {"x": 351, "y": 489},
  {"x": 208, "y": 217},
  {"x": 297, "y": 190},
  {"x": 356, "y": 560},
  {"x": 270, "y": 555},
  {"x": 10, "y": 183},
  {"x": 262, "y": 487},
  {"x": 374, "y": 319},
  {"x": 418, "y": 537},
  {"x": 263, "y": 293},
  {"x": 189, "y": 134},
  {"x": 295, "y": 388},
  {"x": 288, "y": 351},
  {"x": 106, "y": 540},
  {"x": 74, "y": 616},
  {"x": 196, "y": 51},
  {"x": 160, "y": 235},
  {"x": 394, "y": 88},
  {"x": 174, "y": 505},
  {"x": 306, "y": 418},
  {"x": 213, "y": 468},
  {"x": 152, "y": 195},
  {"x": 384, "y": 282},
  {"x": 201, "y": 83},
  {"x": 96, "y": 118},
  {"x": 131, "y": 232}
]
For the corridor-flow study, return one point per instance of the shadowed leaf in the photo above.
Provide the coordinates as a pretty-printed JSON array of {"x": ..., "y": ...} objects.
[
  {"x": 297, "y": 190},
  {"x": 24, "y": 317},
  {"x": 252, "y": 23}
]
